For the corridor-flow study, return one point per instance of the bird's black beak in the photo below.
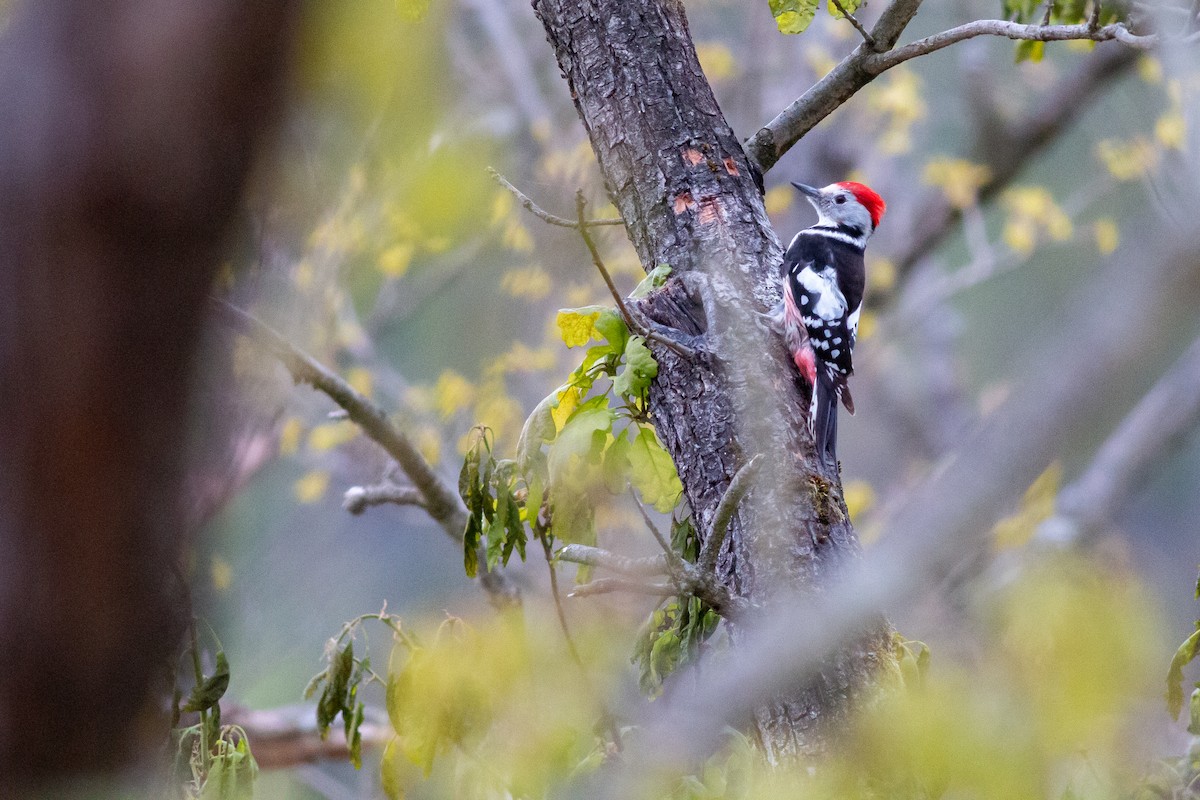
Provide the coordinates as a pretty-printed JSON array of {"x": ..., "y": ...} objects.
[{"x": 807, "y": 190}]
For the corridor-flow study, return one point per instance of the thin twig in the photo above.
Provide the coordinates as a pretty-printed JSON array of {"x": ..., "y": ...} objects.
[
  {"x": 631, "y": 322},
  {"x": 544, "y": 215},
  {"x": 610, "y": 585},
  {"x": 598, "y": 557},
  {"x": 672, "y": 556},
  {"x": 558, "y": 605},
  {"x": 358, "y": 499},
  {"x": 858, "y": 26},
  {"x": 580, "y": 205},
  {"x": 611, "y": 721},
  {"x": 1094, "y": 19},
  {"x": 741, "y": 483},
  {"x": 1010, "y": 30},
  {"x": 1049, "y": 11}
]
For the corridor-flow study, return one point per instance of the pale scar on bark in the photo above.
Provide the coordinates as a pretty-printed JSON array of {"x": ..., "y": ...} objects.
[
  {"x": 731, "y": 166},
  {"x": 710, "y": 211},
  {"x": 692, "y": 156},
  {"x": 683, "y": 202}
]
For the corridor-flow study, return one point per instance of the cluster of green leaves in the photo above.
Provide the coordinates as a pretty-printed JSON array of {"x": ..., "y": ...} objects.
[
  {"x": 212, "y": 761},
  {"x": 1063, "y": 12},
  {"x": 496, "y": 515},
  {"x": 590, "y": 434},
  {"x": 339, "y": 683},
  {"x": 342, "y": 679},
  {"x": 676, "y": 631},
  {"x": 794, "y": 16}
]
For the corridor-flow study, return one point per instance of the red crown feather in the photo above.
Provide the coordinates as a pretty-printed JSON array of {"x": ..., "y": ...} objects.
[{"x": 871, "y": 201}]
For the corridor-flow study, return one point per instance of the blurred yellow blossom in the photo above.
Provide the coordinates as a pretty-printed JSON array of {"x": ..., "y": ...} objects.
[
  {"x": 716, "y": 59},
  {"x": 361, "y": 380},
  {"x": 393, "y": 262},
  {"x": 1036, "y": 507},
  {"x": 881, "y": 274},
  {"x": 452, "y": 393},
  {"x": 1150, "y": 69},
  {"x": 959, "y": 179},
  {"x": 311, "y": 487},
  {"x": 1107, "y": 235},
  {"x": 289, "y": 436},
  {"x": 530, "y": 283},
  {"x": 859, "y": 497},
  {"x": 221, "y": 572},
  {"x": 778, "y": 199},
  {"x": 1032, "y": 209},
  {"x": 331, "y": 434},
  {"x": 1128, "y": 160}
]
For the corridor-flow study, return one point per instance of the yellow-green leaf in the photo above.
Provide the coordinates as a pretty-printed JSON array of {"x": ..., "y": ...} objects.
[
  {"x": 793, "y": 16},
  {"x": 652, "y": 472},
  {"x": 850, "y": 5},
  {"x": 1186, "y": 653},
  {"x": 640, "y": 369},
  {"x": 577, "y": 326}
]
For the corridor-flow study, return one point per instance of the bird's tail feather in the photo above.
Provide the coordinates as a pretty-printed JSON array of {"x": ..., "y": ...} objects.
[{"x": 823, "y": 416}]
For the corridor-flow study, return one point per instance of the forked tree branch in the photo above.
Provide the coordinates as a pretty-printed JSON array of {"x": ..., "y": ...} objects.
[
  {"x": 868, "y": 62},
  {"x": 858, "y": 26},
  {"x": 768, "y": 145},
  {"x": 441, "y": 500}
]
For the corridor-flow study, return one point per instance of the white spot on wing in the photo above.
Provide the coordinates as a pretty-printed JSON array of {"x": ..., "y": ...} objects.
[{"x": 830, "y": 304}]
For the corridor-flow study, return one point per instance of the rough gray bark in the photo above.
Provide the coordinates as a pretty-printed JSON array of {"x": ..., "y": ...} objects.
[
  {"x": 691, "y": 199},
  {"x": 127, "y": 134}
]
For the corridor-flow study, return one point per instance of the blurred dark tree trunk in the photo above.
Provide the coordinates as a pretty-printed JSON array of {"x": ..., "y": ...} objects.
[
  {"x": 127, "y": 134},
  {"x": 691, "y": 199}
]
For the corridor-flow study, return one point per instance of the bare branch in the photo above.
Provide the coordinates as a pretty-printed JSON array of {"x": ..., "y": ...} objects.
[
  {"x": 545, "y": 216},
  {"x": 441, "y": 500},
  {"x": 865, "y": 64},
  {"x": 853, "y": 20},
  {"x": 287, "y": 737},
  {"x": 610, "y": 585},
  {"x": 741, "y": 483},
  {"x": 598, "y": 557},
  {"x": 672, "y": 557},
  {"x": 1012, "y": 30},
  {"x": 358, "y": 499}
]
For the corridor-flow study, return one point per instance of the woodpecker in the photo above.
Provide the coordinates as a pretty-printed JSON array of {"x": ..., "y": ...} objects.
[{"x": 823, "y": 279}]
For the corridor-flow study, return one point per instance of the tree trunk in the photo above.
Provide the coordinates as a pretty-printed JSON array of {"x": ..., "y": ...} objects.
[
  {"x": 691, "y": 199},
  {"x": 127, "y": 134}
]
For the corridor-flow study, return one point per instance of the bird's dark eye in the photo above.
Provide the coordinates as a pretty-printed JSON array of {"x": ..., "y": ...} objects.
[{"x": 841, "y": 198}]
